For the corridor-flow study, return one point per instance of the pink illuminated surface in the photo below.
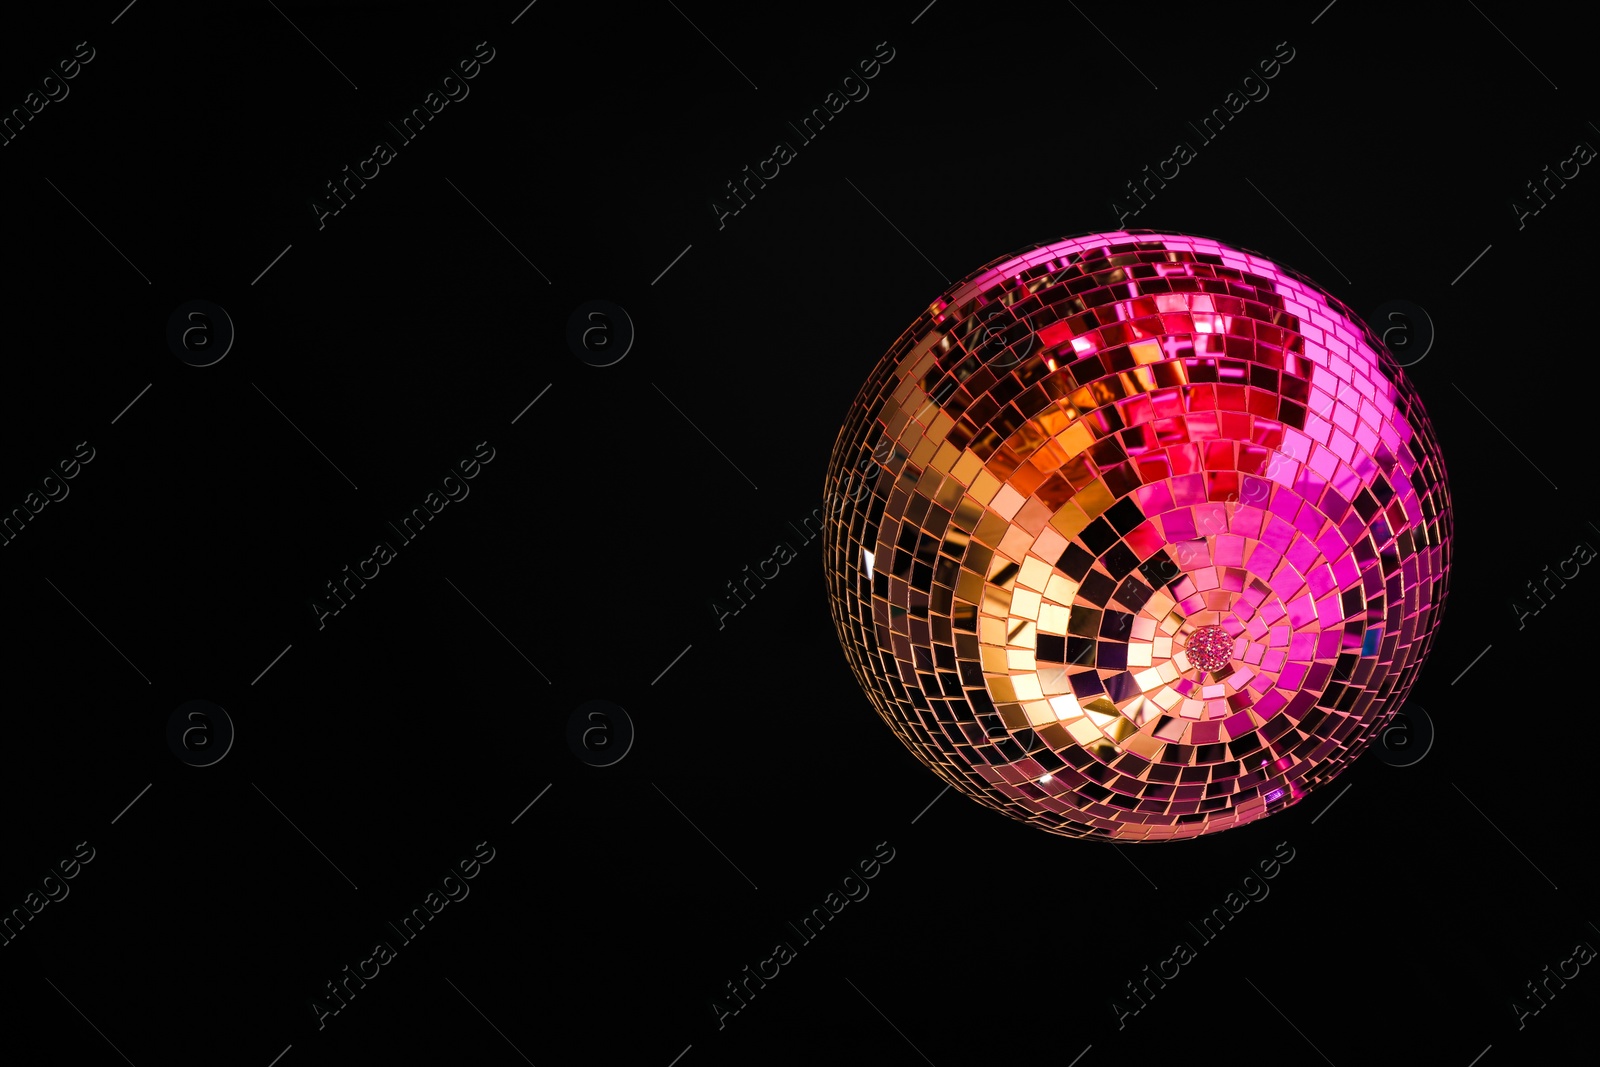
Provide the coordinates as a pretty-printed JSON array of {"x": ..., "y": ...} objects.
[{"x": 1138, "y": 536}]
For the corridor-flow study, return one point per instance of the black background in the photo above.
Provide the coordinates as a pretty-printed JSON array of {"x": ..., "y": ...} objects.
[{"x": 433, "y": 709}]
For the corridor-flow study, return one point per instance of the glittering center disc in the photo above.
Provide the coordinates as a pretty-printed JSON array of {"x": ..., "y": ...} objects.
[{"x": 1210, "y": 649}]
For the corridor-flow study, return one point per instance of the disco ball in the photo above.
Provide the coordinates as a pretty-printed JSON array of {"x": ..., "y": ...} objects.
[{"x": 1136, "y": 536}]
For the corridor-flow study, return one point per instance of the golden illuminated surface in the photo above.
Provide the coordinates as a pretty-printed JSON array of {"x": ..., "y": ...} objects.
[{"x": 1085, "y": 462}]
